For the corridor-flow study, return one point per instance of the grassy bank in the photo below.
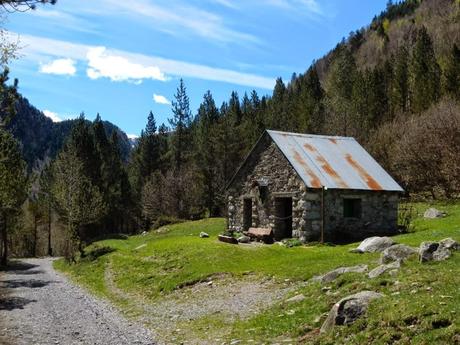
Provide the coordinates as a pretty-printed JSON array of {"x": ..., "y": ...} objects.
[{"x": 422, "y": 301}]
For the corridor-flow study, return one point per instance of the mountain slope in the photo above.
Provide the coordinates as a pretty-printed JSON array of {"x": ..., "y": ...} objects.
[{"x": 42, "y": 138}]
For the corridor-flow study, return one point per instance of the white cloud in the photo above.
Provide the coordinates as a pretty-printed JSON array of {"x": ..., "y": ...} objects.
[
  {"x": 53, "y": 116},
  {"x": 132, "y": 136},
  {"x": 161, "y": 99},
  {"x": 37, "y": 48},
  {"x": 102, "y": 64},
  {"x": 59, "y": 67}
]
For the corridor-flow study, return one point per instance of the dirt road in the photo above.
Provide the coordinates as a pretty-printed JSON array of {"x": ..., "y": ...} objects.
[{"x": 40, "y": 306}]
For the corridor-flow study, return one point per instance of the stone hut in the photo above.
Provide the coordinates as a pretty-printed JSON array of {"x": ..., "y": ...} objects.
[{"x": 314, "y": 188}]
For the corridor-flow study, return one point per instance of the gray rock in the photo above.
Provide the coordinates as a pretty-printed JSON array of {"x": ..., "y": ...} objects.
[
  {"x": 374, "y": 244},
  {"x": 432, "y": 213},
  {"x": 426, "y": 251},
  {"x": 296, "y": 298},
  {"x": 379, "y": 270},
  {"x": 334, "y": 274},
  {"x": 349, "y": 309},
  {"x": 441, "y": 254},
  {"x": 244, "y": 239},
  {"x": 397, "y": 252},
  {"x": 204, "y": 235},
  {"x": 449, "y": 243}
]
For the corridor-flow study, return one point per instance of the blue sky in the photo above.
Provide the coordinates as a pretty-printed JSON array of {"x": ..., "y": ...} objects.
[{"x": 125, "y": 58}]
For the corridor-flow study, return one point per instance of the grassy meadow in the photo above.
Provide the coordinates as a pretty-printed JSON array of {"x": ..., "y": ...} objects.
[{"x": 422, "y": 303}]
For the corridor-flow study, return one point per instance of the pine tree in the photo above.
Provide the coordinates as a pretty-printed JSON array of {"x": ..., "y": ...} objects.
[
  {"x": 400, "y": 89},
  {"x": 13, "y": 182},
  {"x": 339, "y": 84},
  {"x": 424, "y": 74},
  {"x": 78, "y": 201},
  {"x": 311, "y": 97},
  {"x": 208, "y": 115},
  {"x": 277, "y": 106},
  {"x": 181, "y": 123},
  {"x": 452, "y": 73}
]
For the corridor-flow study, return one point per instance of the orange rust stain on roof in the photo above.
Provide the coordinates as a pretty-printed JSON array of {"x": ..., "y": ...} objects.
[
  {"x": 373, "y": 184},
  {"x": 309, "y": 147},
  {"x": 332, "y": 140},
  {"x": 331, "y": 172},
  {"x": 314, "y": 180}
]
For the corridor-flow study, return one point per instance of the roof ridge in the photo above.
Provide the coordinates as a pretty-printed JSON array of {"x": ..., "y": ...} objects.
[{"x": 312, "y": 135}]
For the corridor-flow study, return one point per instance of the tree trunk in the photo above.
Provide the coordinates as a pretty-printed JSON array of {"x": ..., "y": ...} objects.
[{"x": 5, "y": 240}]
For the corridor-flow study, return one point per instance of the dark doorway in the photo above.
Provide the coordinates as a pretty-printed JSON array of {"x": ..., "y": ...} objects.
[
  {"x": 247, "y": 214},
  {"x": 283, "y": 218}
]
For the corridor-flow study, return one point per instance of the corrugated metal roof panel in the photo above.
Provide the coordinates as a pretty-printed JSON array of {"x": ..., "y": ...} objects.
[{"x": 333, "y": 162}]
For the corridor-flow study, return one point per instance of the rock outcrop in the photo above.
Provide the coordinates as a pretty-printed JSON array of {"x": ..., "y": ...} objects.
[
  {"x": 374, "y": 244},
  {"x": 334, "y": 274},
  {"x": 397, "y": 252},
  {"x": 379, "y": 270},
  {"x": 349, "y": 309}
]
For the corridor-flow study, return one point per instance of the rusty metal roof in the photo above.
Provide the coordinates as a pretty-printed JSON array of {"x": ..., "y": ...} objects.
[{"x": 333, "y": 162}]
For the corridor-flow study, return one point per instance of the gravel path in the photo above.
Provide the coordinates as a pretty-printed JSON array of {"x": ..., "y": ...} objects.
[{"x": 39, "y": 306}]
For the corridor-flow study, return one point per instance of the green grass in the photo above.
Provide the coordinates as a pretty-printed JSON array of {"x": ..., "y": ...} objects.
[{"x": 154, "y": 265}]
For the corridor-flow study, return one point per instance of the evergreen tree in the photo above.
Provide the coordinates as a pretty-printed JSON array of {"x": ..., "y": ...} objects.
[
  {"x": 424, "y": 74},
  {"x": 339, "y": 83},
  {"x": 277, "y": 106},
  {"x": 452, "y": 73},
  {"x": 311, "y": 98},
  {"x": 400, "y": 90},
  {"x": 181, "y": 123},
  {"x": 13, "y": 186},
  {"x": 207, "y": 154},
  {"x": 79, "y": 202}
]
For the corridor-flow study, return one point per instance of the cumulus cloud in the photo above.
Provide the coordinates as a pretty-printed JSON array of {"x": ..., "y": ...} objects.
[
  {"x": 53, "y": 116},
  {"x": 160, "y": 99},
  {"x": 102, "y": 64},
  {"x": 59, "y": 67}
]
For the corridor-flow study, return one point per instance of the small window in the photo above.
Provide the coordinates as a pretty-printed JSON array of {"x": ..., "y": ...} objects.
[
  {"x": 352, "y": 208},
  {"x": 263, "y": 192}
]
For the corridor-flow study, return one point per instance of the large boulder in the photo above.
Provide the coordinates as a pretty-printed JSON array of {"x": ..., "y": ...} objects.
[
  {"x": 349, "y": 309},
  {"x": 374, "y": 244},
  {"x": 432, "y": 213},
  {"x": 397, "y": 252},
  {"x": 334, "y": 274},
  {"x": 379, "y": 270},
  {"x": 426, "y": 251}
]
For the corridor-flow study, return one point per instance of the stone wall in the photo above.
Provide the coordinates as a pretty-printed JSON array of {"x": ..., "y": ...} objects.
[{"x": 267, "y": 164}]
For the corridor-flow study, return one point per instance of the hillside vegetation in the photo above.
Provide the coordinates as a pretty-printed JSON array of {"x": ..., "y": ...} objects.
[{"x": 143, "y": 274}]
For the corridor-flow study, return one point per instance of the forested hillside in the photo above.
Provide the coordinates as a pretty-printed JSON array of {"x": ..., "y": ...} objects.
[{"x": 42, "y": 138}]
